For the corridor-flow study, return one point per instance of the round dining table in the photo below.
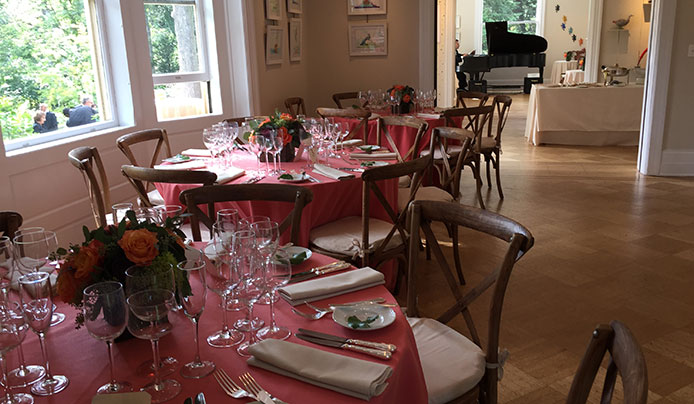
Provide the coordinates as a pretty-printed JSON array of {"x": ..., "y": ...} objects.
[{"x": 84, "y": 360}]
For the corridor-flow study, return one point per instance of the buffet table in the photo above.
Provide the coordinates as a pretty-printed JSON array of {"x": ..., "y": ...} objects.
[
  {"x": 584, "y": 115},
  {"x": 84, "y": 359}
]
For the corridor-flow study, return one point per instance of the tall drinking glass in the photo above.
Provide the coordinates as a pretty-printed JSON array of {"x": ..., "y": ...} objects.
[
  {"x": 277, "y": 272},
  {"x": 193, "y": 302},
  {"x": 13, "y": 329},
  {"x": 105, "y": 316},
  {"x": 35, "y": 292},
  {"x": 221, "y": 280},
  {"x": 267, "y": 236},
  {"x": 249, "y": 269},
  {"x": 278, "y": 142}
]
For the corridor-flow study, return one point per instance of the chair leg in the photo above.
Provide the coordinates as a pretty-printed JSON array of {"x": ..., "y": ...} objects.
[
  {"x": 498, "y": 176},
  {"x": 456, "y": 254},
  {"x": 476, "y": 173},
  {"x": 489, "y": 177}
]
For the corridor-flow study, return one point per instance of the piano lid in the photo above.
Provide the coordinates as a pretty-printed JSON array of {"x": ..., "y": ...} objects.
[{"x": 499, "y": 40}]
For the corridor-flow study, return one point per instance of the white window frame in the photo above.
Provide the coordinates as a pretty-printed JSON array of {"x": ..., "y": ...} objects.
[
  {"x": 14, "y": 145},
  {"x": 539, "y": 21}
]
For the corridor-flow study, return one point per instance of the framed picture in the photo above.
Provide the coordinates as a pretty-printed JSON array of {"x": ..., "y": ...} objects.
[
  {"x": 273, "y": 9},
  {"x": 273, "y": 45},
  {"x": 366, "y": 7},
  {"x": 295, "y": 40},
  {"x": 294, "y": 6},
  {"x": 368, "y": 39}
]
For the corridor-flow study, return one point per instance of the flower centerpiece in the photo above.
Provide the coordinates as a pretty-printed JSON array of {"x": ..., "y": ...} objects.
[
  {"x": 405, "y": 95},
  {"x": 109, "y": 251},
  {"x": 288, "y": 127}
]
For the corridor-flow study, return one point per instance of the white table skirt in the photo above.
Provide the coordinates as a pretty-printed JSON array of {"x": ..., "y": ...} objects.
[
  {"x": 574, "y": 77},
  {"x": 560, "y": 67},
  {"x": 590, "y": 116}
]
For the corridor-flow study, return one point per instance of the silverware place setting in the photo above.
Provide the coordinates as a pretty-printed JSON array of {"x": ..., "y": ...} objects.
[
  {"x": 320, "y": 312},
  {"x": 378, "y": 350}
]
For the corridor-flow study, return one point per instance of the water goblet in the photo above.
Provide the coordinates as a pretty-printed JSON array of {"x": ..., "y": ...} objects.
[
  {"x": 193, "y": 302},
  {"x": 222, "y": 280},
  {"x": 151, "y": 307},
  {"x": 37, "y": 302},
  {"x": 267, "y": 236},
  {"x": 13, "y": 329},
  {"x": 278, "y": 142},
  {"x": 169, "y": 212},
  {"x": 106, "y": 316},
  {"x": 257, "y": 144},
  {"x": 278, "y": 271},
  {"x": 230, "y": 216},
  {"x": 249, "y": 269},
  {"x": 149, "y": 215}
]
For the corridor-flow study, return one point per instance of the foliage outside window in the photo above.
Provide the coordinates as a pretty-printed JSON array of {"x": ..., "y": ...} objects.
[
  {"x": 47, "y": 49},
  {"x": 520, "y": 14}
]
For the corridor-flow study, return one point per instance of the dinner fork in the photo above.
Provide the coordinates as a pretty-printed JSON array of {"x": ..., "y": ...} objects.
[
  {"x": 251, "y": 385},
  {"x": 230, "y": 388},
  {"x": 320, "y": 312}
]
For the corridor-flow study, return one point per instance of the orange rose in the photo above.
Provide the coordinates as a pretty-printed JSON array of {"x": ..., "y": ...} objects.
[
  {"x": 392, "y": 93},
  {"x": 399, "y": 87},
  {"x": 406, "y": 98},
  {"x": 286, "y": 137},
  {"x": 140, "y": 246},
  {"x": 286, "y": 116},
  {"x": 67, "y": 286},
  {"x": 86, "y": 259}
]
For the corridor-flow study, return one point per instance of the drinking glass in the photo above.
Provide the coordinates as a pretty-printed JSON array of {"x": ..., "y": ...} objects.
[
  {"x": 151, "y": 307},
  {"x": 248, "y": 267},
  {"x": 105, "y": 316},
  {"x": 193, "y": 302},
  {"x": 278, "y": 142},
  {"x": 230, "y": 216},
  {"x": 37, "y": 302},
  {"x": 221, "y": 280},
  {"x": 6, "y": 264},
  {"x": 277, "y": 272},
  {"x": 13, "y": 329},
  {"x": 257, "y": 144},
  {"x": 267, "y": 236},
  {"x": 168, "y": 211},
  {"x": 149, "y": 215},
  {"x": 245, "y": 223},
  {"x": 118, "y": 211}
]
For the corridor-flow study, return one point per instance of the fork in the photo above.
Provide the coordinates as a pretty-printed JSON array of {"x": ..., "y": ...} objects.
[
  {"x": 230, "y": 388},
  {"x": 251, "y": 385},
  {"x": 320, "y": 312}
]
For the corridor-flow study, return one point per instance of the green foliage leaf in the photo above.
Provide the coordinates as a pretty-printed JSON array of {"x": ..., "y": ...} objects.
[{"x": 355, "y": 322}]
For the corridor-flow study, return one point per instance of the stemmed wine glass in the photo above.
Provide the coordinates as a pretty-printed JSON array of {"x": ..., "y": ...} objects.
[
  {"x": 249, "y": 271},
  {"x": 193, "y": 302},
  {"x": 151, "y": 306},
  {"x": 227, "y": 223},
  {"x": 278, "y": 145},
  {"x": 277, "y": 272},
  {"x": 267, "y": 236},
  {"x": 221, "y": 280},
  {"x": 105, "y": 316},
  {"x": 13, "y": 329},
  {"x": 37, "y": 301},
  {"x": 257, "y": 144}
]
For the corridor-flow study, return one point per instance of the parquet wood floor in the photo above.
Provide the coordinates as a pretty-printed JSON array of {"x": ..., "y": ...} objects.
[{"x": 609, "y": 244}]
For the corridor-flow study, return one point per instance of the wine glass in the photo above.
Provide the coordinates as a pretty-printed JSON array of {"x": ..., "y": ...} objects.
[
  {"x": 148, "y": 215},
  {"x": 277, "y": 272},
  {"x": 37, "y": 302},
  {"x": 193, "y": 302},
  {"x": 151, "y": 307},
  {"x": 278, "y": 143},
  {"x": 248, "y": 267},
  {"x": 168, "y": 211},
  {"x": 105, "y": 316},
  {"x": 13, "y": 329},
  {"x": 267, "y": 236},
  {"x": 6, "y": 264},
  {"x": 257, "y": 144},
  {"x": 221, "y": 279}
]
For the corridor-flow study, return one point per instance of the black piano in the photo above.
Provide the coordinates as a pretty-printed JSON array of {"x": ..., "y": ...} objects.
[{"x": 506, "y": 49}]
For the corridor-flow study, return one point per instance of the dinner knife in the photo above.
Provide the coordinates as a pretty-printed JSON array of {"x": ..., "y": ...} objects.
[
  {"x": 314, "y": 269},
  {"x": 384, "y": 355},
  {"x": 303, "y": 276},
  {"x": 375, "y": 345}
]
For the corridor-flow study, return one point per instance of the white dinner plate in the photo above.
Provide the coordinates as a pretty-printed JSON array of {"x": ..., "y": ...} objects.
[
  {"x": 295, "y": 251},
  {"x": 372, "y": 316},
  {"x": 369, "y": 148},
  {"x": 295, "y": 177},
  {"x": 374, "y": 163}
]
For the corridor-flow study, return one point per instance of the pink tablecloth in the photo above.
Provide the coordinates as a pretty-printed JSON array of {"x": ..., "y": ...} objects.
[{"x": 84, "y": 360}]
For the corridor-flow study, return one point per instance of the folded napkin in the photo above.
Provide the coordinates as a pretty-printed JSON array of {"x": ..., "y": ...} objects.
[
  {"x": 229, "y": 174},
  {"x": 14, "y": 281},
  {"x": 428, "y": 116},
  {"x": 196, "y": 153},
  {"x": 188, "y": 165},
  {"x": 351, "y": 376},
  {"x": 374, "y": 156},
  {"x": 335, "y": 285},
  {"x": 352, "y": 143},
  {"x": 331, "y": 172}
]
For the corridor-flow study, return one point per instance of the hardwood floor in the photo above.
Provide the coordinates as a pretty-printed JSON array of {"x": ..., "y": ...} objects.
[{"x": 609, "y": 244}]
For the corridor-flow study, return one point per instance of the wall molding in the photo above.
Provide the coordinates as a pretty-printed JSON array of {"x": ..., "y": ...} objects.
[
  {"x": 594, "y": 33},
  {"x": 677, "y": 163}
]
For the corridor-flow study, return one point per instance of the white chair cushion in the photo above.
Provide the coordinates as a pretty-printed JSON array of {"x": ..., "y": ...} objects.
[
  {"x": 155, "y": 198},
  {"x": 452, "y": 364},
  {"x": 344, "y": 235},
  {"x": 423, "y": 194},
  {"x": 404, "y": 181}
]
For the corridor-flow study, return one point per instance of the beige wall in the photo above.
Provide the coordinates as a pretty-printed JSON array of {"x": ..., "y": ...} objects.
[
  {"x": 559, "y": 41},
  {"x": 623, "y": 47}
]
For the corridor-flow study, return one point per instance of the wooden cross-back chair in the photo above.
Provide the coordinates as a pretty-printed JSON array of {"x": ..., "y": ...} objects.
[
  {"x": 469, "y": 99},
  {"x": 409, "y": 122},
  {"x": 366, "y": 240},
  {"x": 490, "y": 147},
  {"x": 208, "y": 196},
  {"x": 459, "y": 368},
  {"x": 295, "y": 106},
  {"x": 10, "y": 222},
  {"x": 626, "y": 358},
  {"x": 351, "y": 113},
  {"x": 352, "y": 95},
  {"x": 138, "y": 176},
  {"x": 88, "y": 161}
]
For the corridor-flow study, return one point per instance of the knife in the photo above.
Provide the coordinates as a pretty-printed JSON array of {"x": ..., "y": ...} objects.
[
  {"x": 314, "y": 269},
  {"x": 381, "y": 346},
  {"x": 312, "y": 274},
  {"x": 384, "y": 355}
]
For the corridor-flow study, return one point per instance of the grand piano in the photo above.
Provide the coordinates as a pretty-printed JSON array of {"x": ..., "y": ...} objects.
[{"x": 506, "y": 49}]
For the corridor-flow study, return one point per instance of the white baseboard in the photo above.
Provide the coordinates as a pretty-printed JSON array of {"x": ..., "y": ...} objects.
[
  {"x": 677, "y": 163},
  {"x": 505, "y": 82}
]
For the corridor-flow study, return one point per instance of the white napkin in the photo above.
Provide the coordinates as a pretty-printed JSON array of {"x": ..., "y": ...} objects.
[
  {"x": 335, "y": 285},
  {"x": 332, "y": 173},
  {"x": 188, "y": 165},
  {"x": 346, "y": 375},
  {"x": 197, "y": 153},
  {"x": 352, "y": 143},
  {"x": 374, "y": 156},
  {"x": 16, "y": 274},
  {"x": 229, "y": 174},
  {"x": 428, "y": 116}
]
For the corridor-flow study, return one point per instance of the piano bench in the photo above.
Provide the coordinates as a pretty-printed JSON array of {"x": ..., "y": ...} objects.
[
  {"x": 529, "y": 81},
  {"x": 479, "y": 86}
]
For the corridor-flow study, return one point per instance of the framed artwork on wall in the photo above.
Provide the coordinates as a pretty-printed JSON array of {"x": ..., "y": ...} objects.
[
  {"x": 368, "y": 39},
  {"x": 295, "y": 40},
  {"x": 295, "y": 6},
  {"x": 366, "y": 7},
  {"x": 273, "y": 45},
  {"x": 273, "y": 10}
]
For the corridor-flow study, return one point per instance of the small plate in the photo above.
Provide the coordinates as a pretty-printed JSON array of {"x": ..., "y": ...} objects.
[
  {"x": 368, "y": 148},
  {"x": 372, "y": 316},
  {"x": 179, "y": 158},
  {"x": 374, "y": 163},
  {"x": 295, "y": 254},
  {"x": 295, "y": 177}
]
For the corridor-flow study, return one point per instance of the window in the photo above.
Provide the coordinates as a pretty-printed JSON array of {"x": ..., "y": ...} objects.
[
  {"x": 51, "y": 63},
  {"x": 523, "y": 16},
  {"x": 178, "y": 57}
]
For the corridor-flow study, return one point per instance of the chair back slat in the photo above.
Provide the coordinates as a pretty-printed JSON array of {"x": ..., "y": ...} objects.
[
  {"x": 85, "y": 159},
  {"x": 501, "y": 104},
  {"x": 389, "y": 121},
  {"x": 138, "y": 176},
  {"x": 351, "y": 95},
  {"x": 10, "y": 222},
  {"x": 127, "y": 141},
  {"x": 295, "y": 106},
  {"x": 353, "y": 113}
]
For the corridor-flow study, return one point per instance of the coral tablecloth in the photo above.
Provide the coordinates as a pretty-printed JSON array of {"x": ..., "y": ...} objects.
[{"x": 84, "y": 360}]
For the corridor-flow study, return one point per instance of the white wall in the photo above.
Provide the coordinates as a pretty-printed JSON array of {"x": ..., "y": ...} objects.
[{"x": 623, "y": 47}]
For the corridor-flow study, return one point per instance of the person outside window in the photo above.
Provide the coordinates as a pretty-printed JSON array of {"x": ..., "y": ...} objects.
[
  {"x": 51, "y": 120},
  {"x": 82, "y": 114},
  {"x": 39, "y": 120}
]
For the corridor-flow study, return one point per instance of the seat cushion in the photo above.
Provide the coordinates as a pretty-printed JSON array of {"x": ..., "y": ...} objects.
[
  {"x": 155, "y": 198},
  {"x": 404, "y": 181},
  {"x": 343, "y": 236},
  {"x": 488, "y": 143},
  {"x": 452, "y": 364},
  {"x": 423, "y": 194}
]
